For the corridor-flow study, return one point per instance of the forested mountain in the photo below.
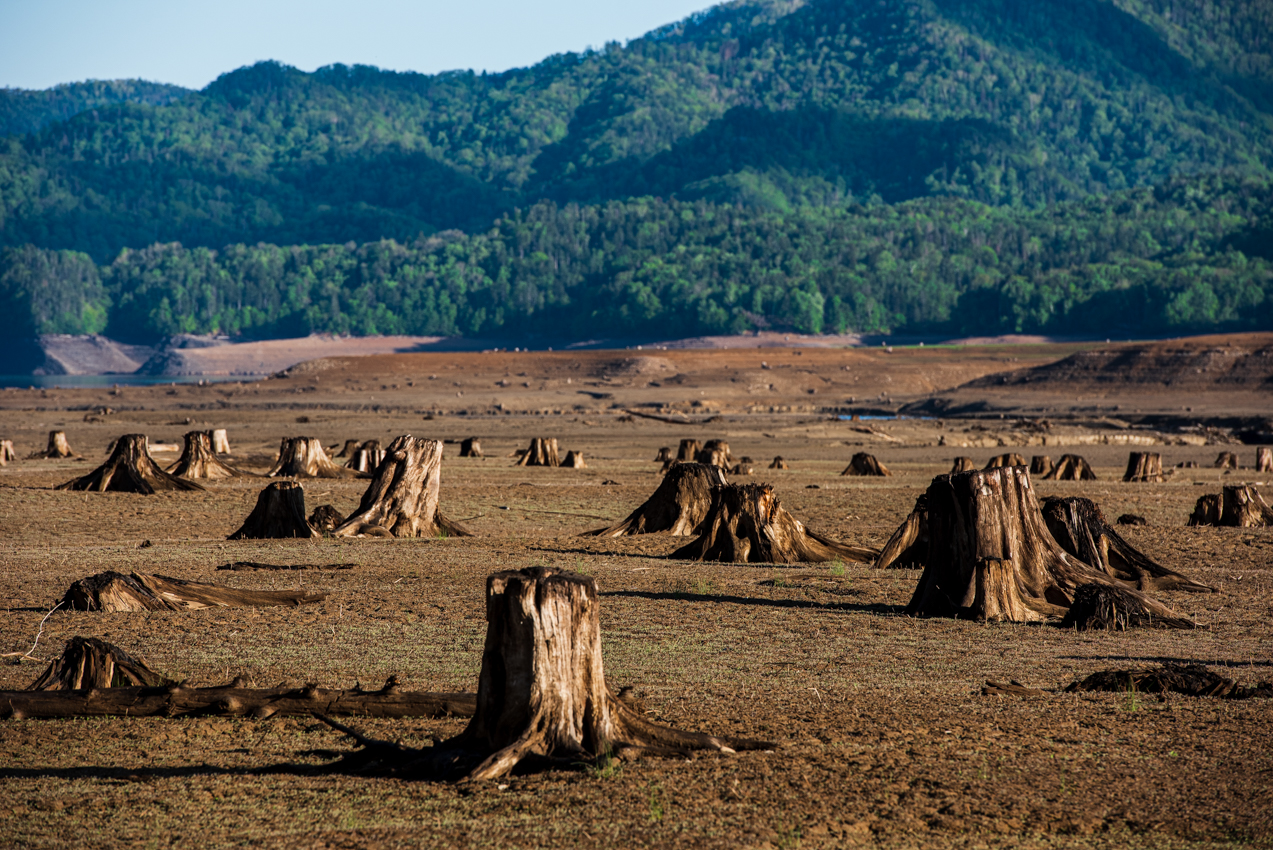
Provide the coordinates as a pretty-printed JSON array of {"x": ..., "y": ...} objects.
[
  {"x": 826, "y": 164},
  {"x": 25, "y": 111}
]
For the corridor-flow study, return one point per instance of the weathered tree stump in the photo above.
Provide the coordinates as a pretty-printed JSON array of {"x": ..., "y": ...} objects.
[
  {"x": 198, "y": 460},
  {"x": 279, "y": 514},
  {"x": 1193, "y": 680},
  {"x": 1187, "y": 464},
  {"x": 348, "y": 449},
  {"x": 112, "y": 592},
  {"x": 1131, "y": 519},
  {"x": 1242, "y": 506},
  {"x": 6, "y": 452},
  {"x": 664, "y": 455},
  {"x": 94, "y": 663},
  {"x": 742, "y": 469},
  {"x": 325, "y": 518},
  {"x": 58, "y": 447},
  {"x": 220, "y": 441},
  {"x": 366, "y": 457},
  {"x": 402, "y": 498},
  {"x": 542, "y": 694},
  {"x": 778, "y": 463},
  {"x": 130, "y": 469},
  {"x": 574, "y": 460},
  {"x": 1226, "y": 460},
  {"x": 470, "y": 447},
  {"x": 305, "y": 457},
  {"x": 908, "y": 547},
  {"x": 1041, "y": 465},
  {"x": 962, "y": 464},
  {"x": 688, "y": 451},
  {"x": 865, "y": 464},
  {"x": 1263, "y": 459},
  {"x": 1071, "y": 468},
  {"x": 1080, "y": 527},
  {"x": 1009, "y": 459},
  {"x": 1206, "y": 511},
  {"x": 1143, "y": 466},
  {"x": 1103, "y": 606},
  {"x": 747, "y": 524},
  {"x": 991, "y": 556},
  {"x": 677, "y": 507},
  {"x": 543, "y": 451}
]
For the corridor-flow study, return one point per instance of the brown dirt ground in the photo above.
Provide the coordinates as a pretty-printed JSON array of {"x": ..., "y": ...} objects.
[{"x": 883, "y": 738}]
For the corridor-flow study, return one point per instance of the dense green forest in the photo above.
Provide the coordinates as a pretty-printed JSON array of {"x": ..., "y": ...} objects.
[
  {"x": 937, "y": 165},
  {"x": 23, "y": 111}
]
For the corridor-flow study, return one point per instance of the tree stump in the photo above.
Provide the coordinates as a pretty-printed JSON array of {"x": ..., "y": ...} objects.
[
  {"x": 991, "y": 556},
  {"x": 574, "y": 460},
  {"x": 348, "y": 449},
  {"x": 58, "y": 447},
  {"x": 747, "y": 524},
  {"x": 220, "y": 441},
  {"x": 471, "y": 447},
  {"x": 366, "y": 457},
  {"x": 1206, "y": 511},
  {"x": 865, "y": 464},
  {"x": 112, "y": 592},
  {"x": 1041, "y": 465},
  {"x": 664, "y": 455},
  {"x": 908, "y": 547},
  {"x": 962, "y": 464},
  {"x": 6, "y": 452},
  {"x": 742, "y": 469},
  {"x": 1143, "y": 466},
  {"x": 94, "y": 663},
  {"x": 543, "y": 451},
  {"x": 1103, "y": 606},
  {"x": 1226, "y": 460},
  {"x": 130, "y": 469},
  {"x": 1080, "y": 527},
  {"x": 1071, "y": 468},
  {"x": 1242, "y": 506},
  {"x": 1263, "y": 458},
  {"x": 325, "y": 518},
  {"x": 279, "y": 514},
  {"x": 1131, "y": 519},
  {"x": 1009, "y": 459},
  {"x": 677, "y": 507},
  {"x": 198, "y": 460},
  {"x": 778, "y": 463},
  {"x": 402, "y": 498},
  {"x": 688, "y": 451},
  {"x": 305, "y": 457},
  {"x": 542, "y": 694},
  {"x": 1187, "y": 464}
]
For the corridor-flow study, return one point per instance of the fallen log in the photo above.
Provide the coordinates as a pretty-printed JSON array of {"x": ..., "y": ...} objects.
[
  {"x": 130, "y": 469},
  {"x": 678, "y": 420},
  {"x": 111, "y": 592},
  {"x": 279, "y": 514},
  {"x": 402, "y": 499},
  {"x": 677, "y": 507}
]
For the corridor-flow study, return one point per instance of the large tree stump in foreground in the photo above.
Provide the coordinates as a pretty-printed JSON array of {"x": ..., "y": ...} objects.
[
  {"x": 1009, "y": 459},
  {"x": 1263, "y": 459},
  {"x": 865, "y": 464},
  {"x": 113, "y": 592},
  {"x": 991, "y": 556},
  {"x": 58, "y": 447},
  {"x": 402, "y": 498},
  {"x": 199, "y": 461},
  {"x": 305, "y": 457},
  {"x": 543, "y": 451},
  {"x": 220, "y": 441},
  {"x": 6, "y": 452},
  {"x": 574, "y": 460},
  {"x": 962, "y": 464},
  {"x": 279, "y": 514},
  {"x": 470, "y": 447},
  {"x": 1143, "y": 466},
  {"x": 1080, "y": 527},
  {"x": 687, "y": 451},
  {"x": 1226, "y": 460},
  {"x": 542, "y": 695},
  {"x": 747, "y": 524},
  {"x": 908, "y": 547},
  {"x": 366, "y": 457},
  {"x": 130, "y": 469},
  {"x": 94, "y": 663},
  {"x": 1040, "y": 465},
  {"x": 677, "y": 507},
  {"x": 1071, "y": 468}
]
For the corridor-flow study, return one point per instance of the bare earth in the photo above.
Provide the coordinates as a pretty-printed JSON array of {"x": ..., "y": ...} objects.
[{"x": 883, "y": 737}]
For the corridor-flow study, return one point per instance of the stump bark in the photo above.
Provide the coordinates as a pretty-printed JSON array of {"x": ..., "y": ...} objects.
[
  {"x": 1080, "y": 527},
  {"x": 908, "y": 547},
  {"x": 366, "y": 457},
  {"x": 305, "y": 457},
  {"x": 543, "y": 451},
  {"x": 574, "y": 460},
  {"x": 279, "y": 514},
  {"x": 865, "y": 464},
  {"x": 664, "y": 455},
  {"x": 325, "y": 518},
  {"x": 112, "y": 592},
  {"x": 1041, "y": 465},
  {"x": 742, "y": 469},
  {"x": 678, "y": 506},
  {"x": 199, "y": 461},
  {"x": 1263, "y": 458},
  {"x": 747, "y": 524},
  {"x": 1206, "y": 511},
  {"x": 1143, "y": 466},
  {"x": 1071, "y": 468},
  {"x": 1102, "y": 606},
  {"x": 6, "y": 452},
  {"x": 348, "y": 449},
  {"x": 715, "y": 453},
  {"x": 542, "y": 695},
  {"x": 1242, "y": 506},
  {"x": 59, "y": 447},
  {"x": 1009, "y": 459},
  {"x": 471, "y": 447},
  {"x": 88, "y": 662},
  {"x": 962, "y": 464},
  {"x": 220, "y": 441},
  {"x": 1226, "y": 460},
  {"x": 778, "y": 463},
  {"x": 688, "y": 451},
  {"x": 402, "y": 498},
  {"x": 130, "y": 469}
]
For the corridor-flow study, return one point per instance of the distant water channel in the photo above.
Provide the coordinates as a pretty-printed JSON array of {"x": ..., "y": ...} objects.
[{"x": 75, "y": 382}]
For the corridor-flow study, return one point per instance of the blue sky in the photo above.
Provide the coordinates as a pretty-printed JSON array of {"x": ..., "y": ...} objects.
[{"x": 46, "y": 42}]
